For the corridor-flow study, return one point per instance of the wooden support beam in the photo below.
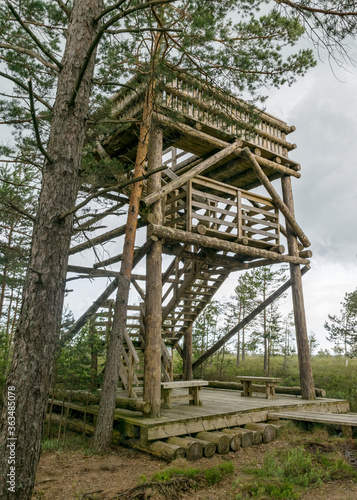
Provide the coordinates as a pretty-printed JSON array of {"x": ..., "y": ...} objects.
[
  {"x": 197, "y": 170},
  {"x": 302, "y": 340},
  {"x": 187, "y": 355},
  {"x": 217, "y": 244},
  {"x": 192, "y": 132},
  {"x": 245, "y": 321},
  {"x": 246, "y": 153},
  {"x": 100, "y": 301},
  {"x": 153, "y": 318}
]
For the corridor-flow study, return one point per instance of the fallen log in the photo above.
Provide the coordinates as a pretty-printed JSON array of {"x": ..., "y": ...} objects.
[
  {"x": 193, "y": 449},
  {"x": 93, "y": 398},
  {"x": 159, "y": 449},
  {"x": 220, "y": 439},
  {"x": 79, "y": 426},
  {"x": 279, "y": 389},
  {"x": 267, "y": 432}
]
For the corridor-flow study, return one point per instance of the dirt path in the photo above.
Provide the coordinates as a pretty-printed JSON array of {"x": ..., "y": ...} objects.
[{"x": 76, "y": 475}]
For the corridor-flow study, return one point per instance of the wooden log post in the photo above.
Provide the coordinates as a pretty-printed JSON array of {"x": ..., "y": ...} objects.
[
  {"x": 194, "y": 449},
  {"x": 209, "y": 449},
  {"x": 236, "y": 441},
  {"x": 153, "y": 317},
  {"x": 93, "y": 398},
  {"x": 220, "y": 439},
  {"x": 302, "y": 340},
  {"x": 268, "y": 432},
  {"x": 158, "y": 449},
  {"x": 256, "y": 436},
  {"x": 246, "y": 437},
  {"x": 187, "y": 355},
  {"x": 279, "y": 389}
]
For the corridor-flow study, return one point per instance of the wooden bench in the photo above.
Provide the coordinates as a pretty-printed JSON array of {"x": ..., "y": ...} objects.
[
  {"x": 270, "y": 383},
  {"x": 193, "y": 387}
]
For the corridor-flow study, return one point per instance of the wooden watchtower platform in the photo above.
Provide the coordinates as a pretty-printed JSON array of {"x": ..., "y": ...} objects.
[{"x": 203, "y": 217}]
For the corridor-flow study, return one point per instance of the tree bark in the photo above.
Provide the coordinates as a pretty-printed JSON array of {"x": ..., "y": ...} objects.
[
  {"x": 40, "y": 317},
  {"x": 103, "y": 432},
  {"x": 153, "y": 316},
  {"x": 302, "y": 339}
]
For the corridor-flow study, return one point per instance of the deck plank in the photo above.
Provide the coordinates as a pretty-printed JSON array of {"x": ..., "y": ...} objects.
[{"x": 317, "y": 417}]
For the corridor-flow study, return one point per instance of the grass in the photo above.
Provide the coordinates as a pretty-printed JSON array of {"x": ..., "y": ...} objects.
[
  {"x": 330, "y": 373},
  {"x": 288, "y": 473},
  {"x": 210, "y": 476},
  {"x": 72, "y": 442}
]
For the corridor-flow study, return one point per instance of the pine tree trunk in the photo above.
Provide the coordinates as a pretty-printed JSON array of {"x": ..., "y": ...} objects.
[
  {"x": 103, "y": 432},
  {"x": 153, "y": 314},
  {"x": 243, "y": 345},
  {"x": 94, "y": 355},
  {"x": 37, "y": 332},
  {"x": 265, "y": 333}
]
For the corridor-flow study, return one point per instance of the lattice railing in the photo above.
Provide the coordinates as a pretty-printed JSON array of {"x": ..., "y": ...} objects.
[{"x": 223, "y": 211}]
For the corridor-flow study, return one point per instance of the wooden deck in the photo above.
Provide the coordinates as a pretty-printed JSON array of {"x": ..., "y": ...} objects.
[
  {"x": 321, "y": 418},
  {"x": 220, "y": 408}
]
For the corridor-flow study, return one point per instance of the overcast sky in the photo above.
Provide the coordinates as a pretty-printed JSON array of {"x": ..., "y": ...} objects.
[{"x": 323, "y": 108}]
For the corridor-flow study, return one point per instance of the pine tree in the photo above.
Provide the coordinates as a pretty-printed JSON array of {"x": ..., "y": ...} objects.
[
  {"x": 49, "y": 49},
  {"x": 343, "y": 328}
]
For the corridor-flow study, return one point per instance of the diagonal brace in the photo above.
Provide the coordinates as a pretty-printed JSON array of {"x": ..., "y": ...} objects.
[{"x": 246, "y": 153}]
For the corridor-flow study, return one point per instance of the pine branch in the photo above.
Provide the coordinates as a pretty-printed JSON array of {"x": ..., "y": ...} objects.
[
  {"x": 316, "y": 10},
  {"x": 117, "y": 187},
  {"x": 29, "y": 52},
  {"x": 109, "y": 9},
  {"x": 17, "y": 209},
  {"x": 35, "y": 124},
  {"x": 141, "y": 30},
  {"x": 33, "y": 36},
  {"x": 23, "y": 86},
  {"x": 17, "y": 184},
  {"x": 64, "y": 7},
  {"x": 25, "y": 120},
  {"x": 100, "y": 34}
]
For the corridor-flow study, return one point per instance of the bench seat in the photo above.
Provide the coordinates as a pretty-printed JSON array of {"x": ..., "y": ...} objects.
[
  {"x": 270, "y": 383},
  {"x": 193, "y": 387}
]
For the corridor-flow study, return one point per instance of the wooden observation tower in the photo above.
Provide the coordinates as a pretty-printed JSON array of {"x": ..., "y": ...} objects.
[{"x": 202, "y": 218}]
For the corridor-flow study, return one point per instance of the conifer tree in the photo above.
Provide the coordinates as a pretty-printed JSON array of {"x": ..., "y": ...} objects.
[
  {"x": 343, "y": 328},
  {"x": 49, "y": 51}
]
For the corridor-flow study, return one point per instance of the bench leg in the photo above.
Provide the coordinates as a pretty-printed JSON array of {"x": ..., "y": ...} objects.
[
  {"x": 166, "y": 397},
  {"x": 247, "y": 389},
  {"x": 270, "y": 390},
  {"x": 195, "y": 391}
]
